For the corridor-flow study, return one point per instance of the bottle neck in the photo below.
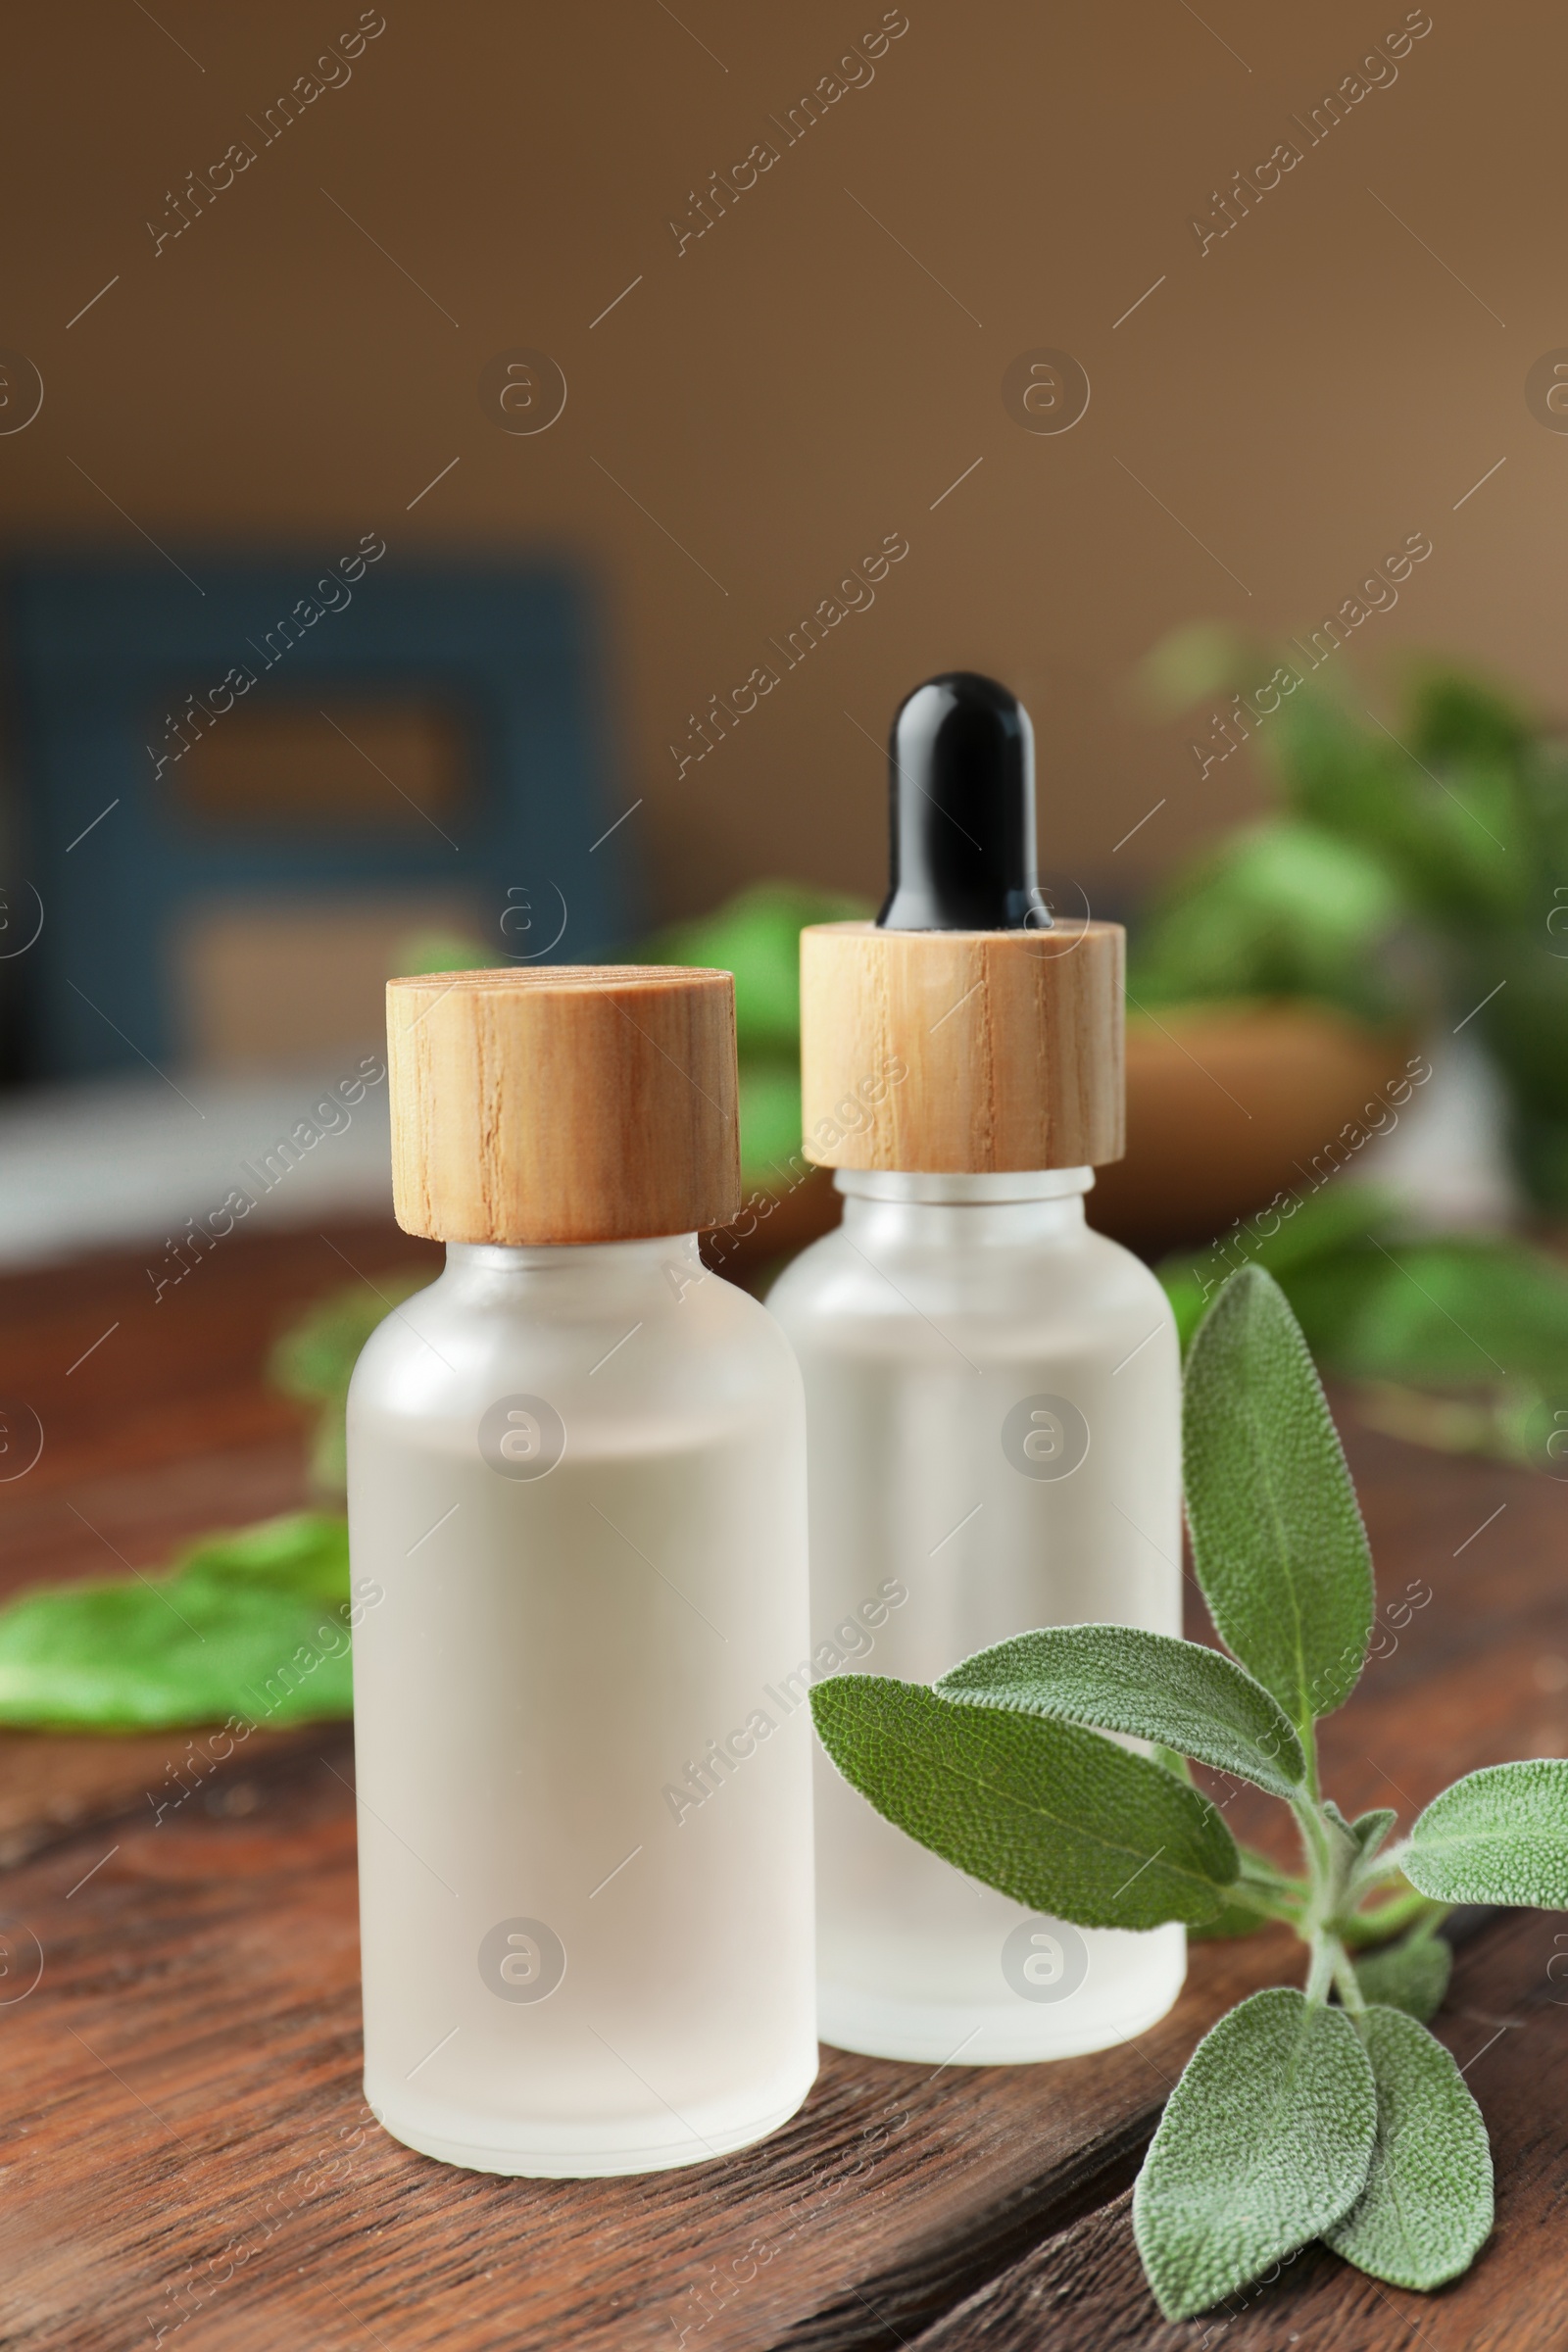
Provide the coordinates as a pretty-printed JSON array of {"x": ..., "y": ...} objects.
[
  {"x": 1015, "y": 1208},
  {"x": 966, "y": 1192},
  {"x": 477, "y": 1268}
]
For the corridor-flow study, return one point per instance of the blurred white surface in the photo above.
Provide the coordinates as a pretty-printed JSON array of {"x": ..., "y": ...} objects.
[
  {"x": 115, "y": 1161},
  {"x": 1446, "y": 1159}
]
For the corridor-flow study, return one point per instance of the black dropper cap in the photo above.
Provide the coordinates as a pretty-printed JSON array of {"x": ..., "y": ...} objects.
[{"x": 961, "y": 804}]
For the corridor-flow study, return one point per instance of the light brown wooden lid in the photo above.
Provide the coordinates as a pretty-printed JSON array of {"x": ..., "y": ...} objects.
[
  {"x": 962, "y": 1051},
  {"x": 574, "y": 1102}
]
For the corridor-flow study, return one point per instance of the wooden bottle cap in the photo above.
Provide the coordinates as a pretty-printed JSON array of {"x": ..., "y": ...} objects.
[
  {"x": 576, "y": 1102},
  {"x": 962, "y": 1051}
]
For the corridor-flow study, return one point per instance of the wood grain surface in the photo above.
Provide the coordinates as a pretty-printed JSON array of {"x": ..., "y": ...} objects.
[
  {"x": 572, "y": 1102},
  {"x": 187, "y": 2159},
  {"x": 962, "y": 1051}
]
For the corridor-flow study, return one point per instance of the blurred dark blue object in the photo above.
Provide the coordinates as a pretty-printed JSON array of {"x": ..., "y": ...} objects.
[{"x": 173, "y": 722}]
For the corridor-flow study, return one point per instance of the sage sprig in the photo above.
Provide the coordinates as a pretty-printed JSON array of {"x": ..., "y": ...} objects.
[{"x": 1326, "y": 2113}]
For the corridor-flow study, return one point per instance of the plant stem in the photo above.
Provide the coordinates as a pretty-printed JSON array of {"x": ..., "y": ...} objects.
[
  {"x": 1321, "y": 1975},
  {"x": 1409, "y": 1909},
  {"x": 1309, "y": 1750},
  {"x": 1282, "y": 1898},
  {"x": 1317, "y": 1844},
  {"x": 1344, "y": 1977}
]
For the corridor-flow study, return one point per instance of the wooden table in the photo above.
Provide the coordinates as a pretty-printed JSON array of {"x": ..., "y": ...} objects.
[{"x": 186, "y": 2156}]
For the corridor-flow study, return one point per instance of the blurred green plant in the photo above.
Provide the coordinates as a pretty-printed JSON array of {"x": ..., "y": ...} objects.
[
  {"x": 1458, "y": 1341},
  {"x": 1416, "y": 871},
  {"x": 1277, "y": 910},
  {"x": 422, "y": 952},
  {"x": 251, "y": 1621},
  {"x": 251, "y": 1624},
  {"x": 313, "y": 1361}
]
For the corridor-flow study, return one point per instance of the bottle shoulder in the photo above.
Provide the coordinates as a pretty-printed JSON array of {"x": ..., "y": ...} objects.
[
  {"x": 1079, "y": 1259},
  {"x": 1114, "y": 1263},
  {"x": 675, "y": 1331},
  {"x": 905, "y": 1274}
]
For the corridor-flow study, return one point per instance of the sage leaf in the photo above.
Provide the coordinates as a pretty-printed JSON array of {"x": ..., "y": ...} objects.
[
  {"x": 1229, "y": 1925},
  {"x": 1370, "y": 1829},
  {"x": 1411, "y": 1975},
  {"x": 1278, "y": 1544},
  {"x": 1266, "y": 2142},
  {"x": 254, "y": 1622},
  {"x": 1117, "y": 1677},
  {"x": 1426, "y": 2210},
  {"x": 1499, "y": 1836},
  {"x": 1057, "y": 1816}
]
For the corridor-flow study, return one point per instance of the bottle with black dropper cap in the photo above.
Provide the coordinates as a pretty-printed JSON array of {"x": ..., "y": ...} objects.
[{"x": 993, "y": 1389}]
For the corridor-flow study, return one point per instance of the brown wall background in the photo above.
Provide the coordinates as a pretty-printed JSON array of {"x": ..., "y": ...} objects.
[{"x": 806, "y": 378}]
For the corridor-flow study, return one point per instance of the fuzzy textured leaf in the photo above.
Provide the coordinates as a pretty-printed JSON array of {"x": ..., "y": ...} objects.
[
  {"x": 1413, "y": 1974},
  {"x": 1117, "y": 1677},
  {"x": 1278, "y": 1543},
  {"x": 1057, "y": 1816},
  {"x": 1499, "y": 1836},
  {"x": 251, "y": 1624},
  {"x": 1266, "y": 2142},
  {"x": 1370, "y": 1829},
  {"x": 1426, "y": 2210}
]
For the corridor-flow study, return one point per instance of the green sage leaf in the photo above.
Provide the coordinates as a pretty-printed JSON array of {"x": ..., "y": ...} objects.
[
  {"x": 1499, "y": 1836},
  {"x": 1278, "y": 1544},
  {"x": 1266, "y": 2142},
  {"x": 1411, "y": 1975},
  {"x": 253, "y": 1624},
  {"x": 1057, "y": 1816},
  {"x": 1229, "y": 1925},
  {"x": 1370, "y": 1829},
  {"x": 1426, "y": 2210},
  {"x": 1117, "y": 1677}
]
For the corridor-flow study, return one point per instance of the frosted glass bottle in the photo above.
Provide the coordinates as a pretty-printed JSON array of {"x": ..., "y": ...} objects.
[
  {"x": 993, "y": 1405},
  {"x": 576, "y": 1486}
]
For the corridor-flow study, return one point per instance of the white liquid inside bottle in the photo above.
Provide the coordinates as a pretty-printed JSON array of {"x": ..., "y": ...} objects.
[
  {"x": 993, "y": 1401},
  {"x": 577, "y": 1525}
]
